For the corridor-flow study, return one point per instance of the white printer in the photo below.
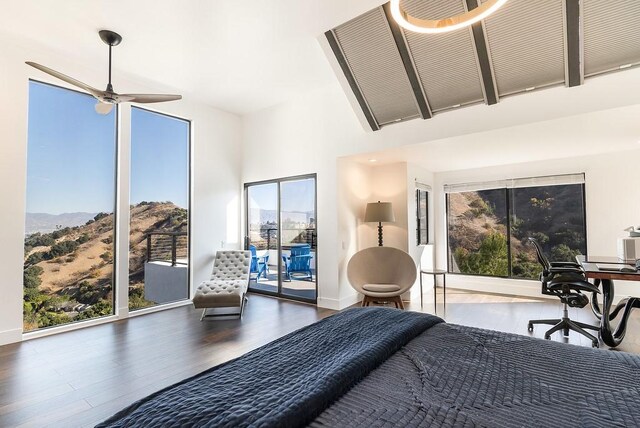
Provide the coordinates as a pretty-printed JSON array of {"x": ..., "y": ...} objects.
[{"x": 629, "y": 248}]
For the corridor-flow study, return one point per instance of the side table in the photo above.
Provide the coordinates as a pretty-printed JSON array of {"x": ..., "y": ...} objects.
[{"x": 435, "y": 273}]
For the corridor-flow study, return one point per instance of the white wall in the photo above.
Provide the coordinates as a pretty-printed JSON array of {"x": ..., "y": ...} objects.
[
  {"x": 354, "y": 191},
  {"x": 361, "y": 183},
  {"x": 215, "y": 168},
  {"x": 308, "y": 134}
]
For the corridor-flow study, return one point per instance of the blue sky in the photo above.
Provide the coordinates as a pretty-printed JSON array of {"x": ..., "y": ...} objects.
[
  {"x": 297, "y": 195},
  {"x": 159, "y": 158},
  {"x": 71, "y": 154}
]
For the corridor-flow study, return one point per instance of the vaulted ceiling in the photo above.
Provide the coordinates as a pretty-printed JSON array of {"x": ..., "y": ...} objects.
[
  {"x": 244, "y": 55},
  {"x": 397, "y": 75},
  {"x": 237, "y": 55}
]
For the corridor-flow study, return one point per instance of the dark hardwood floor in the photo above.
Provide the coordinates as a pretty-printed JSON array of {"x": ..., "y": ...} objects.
[{"x": 79, "y": 378}]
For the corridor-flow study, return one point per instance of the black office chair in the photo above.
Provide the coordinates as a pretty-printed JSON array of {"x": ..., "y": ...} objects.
[{"x": 567, "y": 281}]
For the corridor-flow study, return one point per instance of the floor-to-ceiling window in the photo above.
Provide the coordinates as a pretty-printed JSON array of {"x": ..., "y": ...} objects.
[
  {"x": 69, "y": 249},
  {"x": 281, "y": 234},
  {"x": 159, "y": 210},
  {"x": 489, "y": 224}
]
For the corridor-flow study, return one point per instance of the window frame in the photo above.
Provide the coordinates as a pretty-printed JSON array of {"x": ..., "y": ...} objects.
[
  {"x": 508, "y": 195},
  {"x": 190, "y": 288},
  {"x": 37, "y": 332},
  {"x": 419, "y": 226}
]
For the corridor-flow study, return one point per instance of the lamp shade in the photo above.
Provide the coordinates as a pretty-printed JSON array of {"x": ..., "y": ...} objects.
[{"x": 379, "y": 212}]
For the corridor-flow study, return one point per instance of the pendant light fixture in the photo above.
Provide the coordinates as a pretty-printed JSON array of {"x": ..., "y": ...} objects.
[{"x": 443, "y": 25}]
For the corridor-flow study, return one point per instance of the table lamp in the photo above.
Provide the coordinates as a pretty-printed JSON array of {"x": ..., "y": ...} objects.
[{"x": 377, "y": 212}]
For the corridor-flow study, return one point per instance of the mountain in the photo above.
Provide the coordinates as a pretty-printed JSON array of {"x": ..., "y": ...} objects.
[
  {"x": 271, "y": 216},
  {"x": 45, "y": 223},
  {"x": 68, "y": 273}
]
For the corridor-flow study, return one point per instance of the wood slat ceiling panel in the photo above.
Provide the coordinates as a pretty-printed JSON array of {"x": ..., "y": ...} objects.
[
  {"x": 446, "y": 63},
  {"x": 611, "y": 34},
  {"x": 369, "y": 48},
  {"x": 526, "y": 43}
]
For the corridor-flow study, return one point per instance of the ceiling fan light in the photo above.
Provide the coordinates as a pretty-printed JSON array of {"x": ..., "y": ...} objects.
[
  {"x": 445, "y": 24},
  {"x": 103, "y": 108}
]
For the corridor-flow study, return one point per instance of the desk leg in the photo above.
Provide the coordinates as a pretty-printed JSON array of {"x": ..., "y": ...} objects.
[
  {"x": 444, "y": 290},
  {"x": 609, "y": 337},
  {"x": 421, "y": 305},
  {"x": 435, "y": 294},
  {"x": 595, "y": 307}
]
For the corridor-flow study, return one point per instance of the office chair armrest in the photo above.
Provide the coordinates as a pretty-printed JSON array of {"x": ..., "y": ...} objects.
[
  {"x": 569, "y": 274},
  {"x": 566, "y": 269},
  {"x": 561, "y": 264}
]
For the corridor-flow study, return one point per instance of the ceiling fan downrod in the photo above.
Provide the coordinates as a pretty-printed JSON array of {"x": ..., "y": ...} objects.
[{"x": 111, "y": 38}]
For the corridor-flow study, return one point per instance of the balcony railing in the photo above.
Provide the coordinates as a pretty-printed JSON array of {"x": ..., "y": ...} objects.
[
  {"x": 267, "y": 239},
  {"x": 168, "y": 247}
]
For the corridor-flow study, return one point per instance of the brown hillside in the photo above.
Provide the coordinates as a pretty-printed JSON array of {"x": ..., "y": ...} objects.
[
  {"x": 92, "y": 261},
  {"x": 471, "y": 219}
]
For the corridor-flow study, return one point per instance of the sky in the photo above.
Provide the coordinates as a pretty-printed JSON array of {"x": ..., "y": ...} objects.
[
  {"x": 159, "y": 158},
  {"x": 71, "y": 154},
  {"x": 296, "y": 195}
]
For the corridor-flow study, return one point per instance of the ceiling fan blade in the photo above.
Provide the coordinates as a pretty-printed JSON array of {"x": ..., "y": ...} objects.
[
  {"x": 93, "y": 91},
  {"x": 148, "y": 98}
]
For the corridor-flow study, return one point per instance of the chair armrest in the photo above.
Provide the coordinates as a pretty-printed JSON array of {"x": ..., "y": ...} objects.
[
  {"x": 576, "y": 274},
  {"x": 566, "y": 269},
  {"x": 565, "y": 264}
]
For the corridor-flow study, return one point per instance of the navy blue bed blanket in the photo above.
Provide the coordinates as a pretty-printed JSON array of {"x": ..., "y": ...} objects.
[{"x": 287, "y": 382}]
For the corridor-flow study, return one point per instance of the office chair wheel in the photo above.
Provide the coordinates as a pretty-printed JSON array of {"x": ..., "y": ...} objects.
[
  {"x": 529, "y": 327},
  {"x": 595, "y": 344},
  {"x": 547, "y": 336}
]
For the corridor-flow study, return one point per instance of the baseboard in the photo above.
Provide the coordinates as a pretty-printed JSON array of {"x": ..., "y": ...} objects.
[
  {"x": 517, "y": 287},
  {"x": 10, "y": 336},
  {"x": 513, "y": 287},
  {"x": 338, "y": 305}
]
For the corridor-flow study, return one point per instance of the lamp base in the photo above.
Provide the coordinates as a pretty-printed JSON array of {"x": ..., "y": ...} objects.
[{"x": 379, "y": 234}]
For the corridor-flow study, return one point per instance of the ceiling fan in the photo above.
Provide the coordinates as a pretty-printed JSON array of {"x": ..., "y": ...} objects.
[{"x": 107, "y": 98}]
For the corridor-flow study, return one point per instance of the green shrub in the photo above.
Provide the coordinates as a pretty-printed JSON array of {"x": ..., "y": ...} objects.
[
  {"x": 100, "y": 216},
  {"x": 83, "y": 238},
  {"x": 31, "y": 277},
  {"x": 491, "y": 258},
  {"x": 100, "y": 309},
  {"x": 62, "y": 248}
]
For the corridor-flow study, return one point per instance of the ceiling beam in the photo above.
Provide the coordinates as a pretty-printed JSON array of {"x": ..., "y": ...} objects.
[
  {"x": 344, "y": 65},
  {"x": 574, "y": 65},
  {"x": 482, "y": 52},
  {"x": 403, "y": 49}
]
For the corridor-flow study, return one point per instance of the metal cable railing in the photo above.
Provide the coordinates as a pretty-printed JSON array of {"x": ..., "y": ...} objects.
[
  {"x": 267, "y": 239},
  {"x": 168, "y": 247}
]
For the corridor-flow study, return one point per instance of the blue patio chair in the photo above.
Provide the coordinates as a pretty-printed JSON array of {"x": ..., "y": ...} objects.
[
  {"x": 259, "y": 264},
  {"x": 299, "y": 261}
]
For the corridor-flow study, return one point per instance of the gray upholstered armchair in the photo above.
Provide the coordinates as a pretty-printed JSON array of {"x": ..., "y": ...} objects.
[
  {"x": 381, "y": 274},
  {"x": 228, "y": 285}
]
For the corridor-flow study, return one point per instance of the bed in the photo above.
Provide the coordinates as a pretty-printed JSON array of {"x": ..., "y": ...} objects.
[{"x": 385, "y": 367}]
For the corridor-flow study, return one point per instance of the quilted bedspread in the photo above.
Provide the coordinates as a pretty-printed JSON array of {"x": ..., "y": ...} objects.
[
  {"x": 287, "y": 382},
  {"x": 455, "y": 376}
]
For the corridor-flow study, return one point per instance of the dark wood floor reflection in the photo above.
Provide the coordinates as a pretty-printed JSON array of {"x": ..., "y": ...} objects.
[{"x": 82, "y": 377}]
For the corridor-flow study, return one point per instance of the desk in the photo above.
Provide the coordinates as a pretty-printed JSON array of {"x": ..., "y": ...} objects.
[
  {"x": 605, "y": 279},
  {"x": 435, "y": 273}
]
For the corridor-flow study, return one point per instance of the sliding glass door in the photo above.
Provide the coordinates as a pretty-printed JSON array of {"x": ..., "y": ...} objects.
[
  {"x": 281, "y": 234},
  {"x": 262, "y": 235}
]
